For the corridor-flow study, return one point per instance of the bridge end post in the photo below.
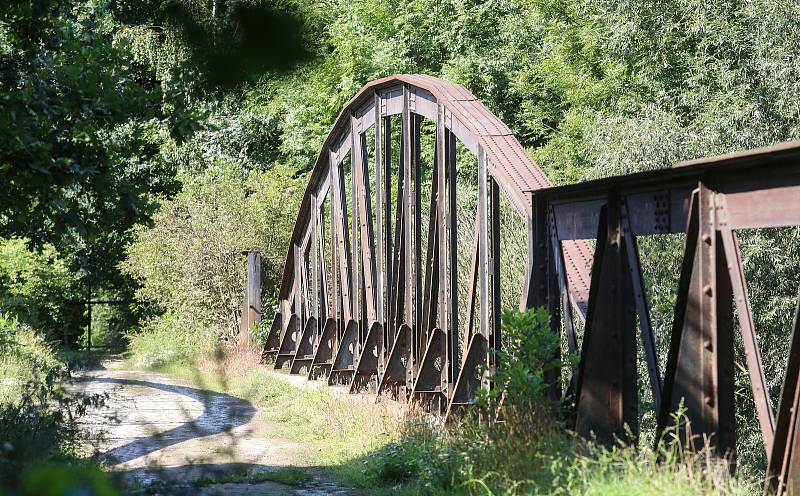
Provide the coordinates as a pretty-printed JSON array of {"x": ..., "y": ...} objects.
[{"x": 251, "y": 311}]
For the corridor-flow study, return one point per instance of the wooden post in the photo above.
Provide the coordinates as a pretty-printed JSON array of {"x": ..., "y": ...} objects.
[
  {"x": 251, "y": 313},
  {"x": 89, "y": 325}
]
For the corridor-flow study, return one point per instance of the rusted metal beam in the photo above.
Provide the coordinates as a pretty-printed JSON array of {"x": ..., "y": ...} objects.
[
  {"x": 607, "y": 391},
  {"x": 783, "y": 470},
  {"x": 642, "y": 308},
  {"x": 699, "y": 375}
]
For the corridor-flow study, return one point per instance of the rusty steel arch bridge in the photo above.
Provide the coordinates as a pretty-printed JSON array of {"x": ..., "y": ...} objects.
[{"x": 379, "y": 290}]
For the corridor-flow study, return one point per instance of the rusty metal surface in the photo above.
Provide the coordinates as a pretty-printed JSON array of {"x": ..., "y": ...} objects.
[
  {"x": 388, "y": 316},
  {"x": 380, "y": 271},
  {"x": 508, "y": 162}
]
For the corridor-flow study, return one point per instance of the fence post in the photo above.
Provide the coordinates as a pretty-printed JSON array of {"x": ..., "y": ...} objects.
[{"x": 251, "y": 312}]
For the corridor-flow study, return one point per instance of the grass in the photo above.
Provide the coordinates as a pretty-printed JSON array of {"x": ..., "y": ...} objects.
[
  {"x": 289, "y": 476},
  {"x": 377, "y": 449},
  {"x": 532, "y": 454},
  {"x": 39, "y": 437},
  {"x": 333, "y": 432},
  {"x": 25, "y": 360}
]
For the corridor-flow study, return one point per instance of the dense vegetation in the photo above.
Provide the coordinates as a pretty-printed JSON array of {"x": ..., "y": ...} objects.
[
  {"x": 144, "y": 145},
  {"x": 108, "y": 108}
]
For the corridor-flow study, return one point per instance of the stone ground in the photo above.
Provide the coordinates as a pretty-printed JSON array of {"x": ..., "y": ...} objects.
[{"x": 164, "y": 436}]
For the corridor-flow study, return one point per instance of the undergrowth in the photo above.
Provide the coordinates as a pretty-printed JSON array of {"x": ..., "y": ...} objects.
[
  {"x": 479, "y": 458},
  {"x": 377, "y": 449},
  {"x": 336, "y": 429},
  {"x": 168, "y": 339},
  {"x": 40, "y": 438}
]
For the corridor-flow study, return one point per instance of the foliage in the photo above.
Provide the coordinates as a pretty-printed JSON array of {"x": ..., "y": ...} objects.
[
  {"x": 25, "y": 358},
  {"x": 530, "y": 351},
  {"x": 172, "y": 337},
  {"x": 260, "y": 332},
  {"x": 190, "y": 262},
  {"x": 34, "y": 285},
  {"x": 81, "y": 128},
  {"x": 54, "y": 479},
  {"x": 529, "y": 452},
  {"x": 227, "y": 41},
  {"x": 108, "y": 108},
  {"x": 38, "y": 417}
]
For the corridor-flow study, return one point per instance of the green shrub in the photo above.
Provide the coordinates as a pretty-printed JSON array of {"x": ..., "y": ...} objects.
[
  {"x": 37, "y": 417},
  {"x": 34, "y": 285},
  {"x": 530, "y": 350},
  {"x": 190, "y": 263},
  {"x": 51, "y": 479},
  {"x": 25, "y": 359}
]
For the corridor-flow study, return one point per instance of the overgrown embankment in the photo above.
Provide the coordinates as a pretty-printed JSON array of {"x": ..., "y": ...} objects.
[
  {"x": 40, "y": 450},
  {"x": 388, "y": 447}
]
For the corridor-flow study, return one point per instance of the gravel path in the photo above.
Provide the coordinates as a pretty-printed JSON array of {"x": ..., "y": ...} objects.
[{"x": 165, "y": 436}]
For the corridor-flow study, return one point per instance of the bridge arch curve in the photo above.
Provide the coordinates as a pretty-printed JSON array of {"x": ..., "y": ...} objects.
[{"x": 375, "y": 269}]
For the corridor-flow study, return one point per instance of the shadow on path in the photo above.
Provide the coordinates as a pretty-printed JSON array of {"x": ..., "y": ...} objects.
[{"x": 221, "y": 413}]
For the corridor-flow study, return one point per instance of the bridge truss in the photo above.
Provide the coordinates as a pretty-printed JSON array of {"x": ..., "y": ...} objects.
[{"x": 375, "y": 289}]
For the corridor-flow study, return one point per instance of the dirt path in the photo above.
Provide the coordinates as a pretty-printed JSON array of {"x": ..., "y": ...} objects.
[{"x": 164, "y": 436}]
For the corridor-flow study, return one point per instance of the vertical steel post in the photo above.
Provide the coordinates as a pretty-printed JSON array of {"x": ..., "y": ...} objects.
[
  {"x": 698, "y": 374},
  {"x": 495, "y": 340},
  {"x": 607, "y": 390},
  {"x": 452, "y": 252},
  {"x": 484, "y": 315}
]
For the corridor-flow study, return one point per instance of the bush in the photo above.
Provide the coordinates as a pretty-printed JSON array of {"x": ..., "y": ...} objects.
[
  {"x": 530, "y": 350},
  {"x": 53, "y": 479},
  {"x": 25, "y": 359},
  {"x": 190, "y": 263},
  {"x": 38, "y": 417},
  {"x": 34, "y": 285}
]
